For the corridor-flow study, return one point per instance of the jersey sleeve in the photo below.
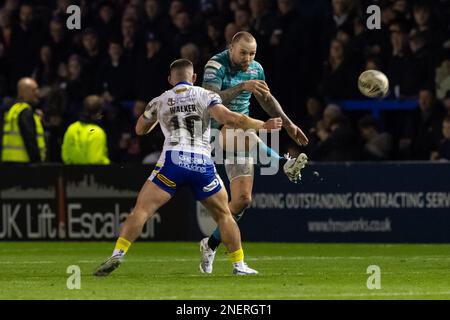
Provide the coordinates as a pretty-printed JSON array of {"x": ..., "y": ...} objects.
[
  {"x": 214, "y": 74},
  {"x": 212, "y": 98},
  {"x": 261, "y": 75},
  {"x": 151, "y": 110}
]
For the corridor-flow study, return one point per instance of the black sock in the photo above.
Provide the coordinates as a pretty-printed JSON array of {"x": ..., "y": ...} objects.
[{"x": 213, "y": 243}]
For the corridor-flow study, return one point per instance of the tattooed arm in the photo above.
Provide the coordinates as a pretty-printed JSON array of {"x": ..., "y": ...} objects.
[
  {"x": 254, "y": 86},
  {"x": 274, "y": 109},
  {"x": 226, "y": 95}
]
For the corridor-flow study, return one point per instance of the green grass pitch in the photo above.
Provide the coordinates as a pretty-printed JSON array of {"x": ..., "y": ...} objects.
[{"x": 169, "y": 270}]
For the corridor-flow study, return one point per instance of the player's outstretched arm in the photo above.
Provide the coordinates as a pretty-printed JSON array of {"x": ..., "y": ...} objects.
[
  {"x": 274, "y": 109},
  {"x": 241, "y": 121}
]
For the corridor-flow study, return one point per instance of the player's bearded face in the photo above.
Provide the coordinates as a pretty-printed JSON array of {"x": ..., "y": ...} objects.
[{"x": 243, "y": 53}]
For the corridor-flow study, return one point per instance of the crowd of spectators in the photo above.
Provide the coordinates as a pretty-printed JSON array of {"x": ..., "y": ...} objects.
[{"x": 312, "y": 53}]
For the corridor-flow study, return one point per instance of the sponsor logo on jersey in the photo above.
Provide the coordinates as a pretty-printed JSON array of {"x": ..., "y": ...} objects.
[
  {"x": 170, "y": 102},
  {"x": 211, "y": 186},
  {"x": 209, "y": 75},
  {"x": 213, "y": 64}
]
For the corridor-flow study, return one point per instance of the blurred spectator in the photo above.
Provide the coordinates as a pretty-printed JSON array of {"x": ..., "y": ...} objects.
[
  {"x": 61, "y": 9},
  {"x": 242, "y": 19},
  {"x": 447, "y": 104},
  {"x": 58, "y": 41},
  {"x": 314, "y": 108},
  {"x": 215, "y": 41},
  {"x": 155, "y": 21},
  {"x": 74, "y": 86},
  {"x": 235, "y": 4},
  {"x": 113, "y": 80},
  {"x": 130, "y": 43},
  {"x": 230, "y": 30},
  {"x": 373, "y": 63},
  {"x": 45, "y": 72},
  {"x": 22, "y": 132},
  {"x": 9, "y": 7},
  {"x": 338, "y": 73},
  {"x": 263, "y": 24},
  {"x": 191, "y": 52},
  {"x": 423, "y": 23},
  {"x": 106, "y": 22},
  {"x": 84, "y": 140},
  {"x": 150, "y": 77},
  {"x": 422, "y": 129},
  {"x": 331, "y": 112},
  {"x": 341, "y": 17},
  {"x": 26, "y": 39},
  {"x": 399, "y": 60},
  {"x": 184, "y": 32},
  {"x": 443, "y": 150},
  {"x": 337, "y": 141},
  {"x": 377, "y": 145},
  {"x": 5, "y": 39},
  {"x": 443, "y": 78},
  {"x": 401, "y": 7},
  {"x": 92, "y": 56},
  {"x": 175, "y": 7},
  {"x": 290, "y": 86},
  {"x": 419, "y": 65}
]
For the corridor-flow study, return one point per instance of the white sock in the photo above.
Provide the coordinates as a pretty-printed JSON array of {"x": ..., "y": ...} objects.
[
  {"x": 118, "y": 252},
  {"x": 239, "y": 264}
]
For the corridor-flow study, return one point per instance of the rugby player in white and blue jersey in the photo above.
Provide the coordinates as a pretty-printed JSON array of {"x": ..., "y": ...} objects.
[{"x": 184, "y": 113}]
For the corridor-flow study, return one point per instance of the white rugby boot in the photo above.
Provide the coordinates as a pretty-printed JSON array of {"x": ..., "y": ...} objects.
[
  {"x": 208, "y": 255},
  {"x": 293, "y": 166},
  {"x": 244, "y": 270},
  {"x": 111, "y": 264}
]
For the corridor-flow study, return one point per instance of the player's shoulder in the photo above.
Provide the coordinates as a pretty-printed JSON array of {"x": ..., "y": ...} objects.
[
  {"x": 207, "y": 95},
  {"x": 163, "y": 96},
  {"x": 256, "y": 65},
  {"x": 202, "y": 92},
  {"x": 218, "y": 61}
]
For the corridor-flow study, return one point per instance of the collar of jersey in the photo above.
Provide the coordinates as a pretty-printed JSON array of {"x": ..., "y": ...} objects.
[{"x": 183, "y": 82}]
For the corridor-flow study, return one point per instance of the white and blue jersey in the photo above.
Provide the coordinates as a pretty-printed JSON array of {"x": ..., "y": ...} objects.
[{"x": 186, "y": 157}]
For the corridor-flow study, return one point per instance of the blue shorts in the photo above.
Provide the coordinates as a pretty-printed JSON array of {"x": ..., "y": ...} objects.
[{"x": 177, "y": 168}]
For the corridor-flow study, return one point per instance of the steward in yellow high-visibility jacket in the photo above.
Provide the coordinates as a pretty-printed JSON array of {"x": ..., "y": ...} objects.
[
  {"x": 85, "y": 141},
  {"x": 22, "y": 131}
]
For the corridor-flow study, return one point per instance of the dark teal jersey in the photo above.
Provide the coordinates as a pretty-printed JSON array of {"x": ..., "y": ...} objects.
[{"x": 220, "y": 73}]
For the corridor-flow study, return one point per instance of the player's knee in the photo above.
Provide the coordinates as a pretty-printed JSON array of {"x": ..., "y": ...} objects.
[
  {"x": 142, "y": 214},
  {"x": 244, "y": 201}
]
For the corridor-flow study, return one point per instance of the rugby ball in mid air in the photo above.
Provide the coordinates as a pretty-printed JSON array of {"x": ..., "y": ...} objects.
[{"x": 373, "y": 84}]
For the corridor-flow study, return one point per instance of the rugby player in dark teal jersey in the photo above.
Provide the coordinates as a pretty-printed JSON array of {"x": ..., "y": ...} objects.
[{"x": 235, "y": 76}]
